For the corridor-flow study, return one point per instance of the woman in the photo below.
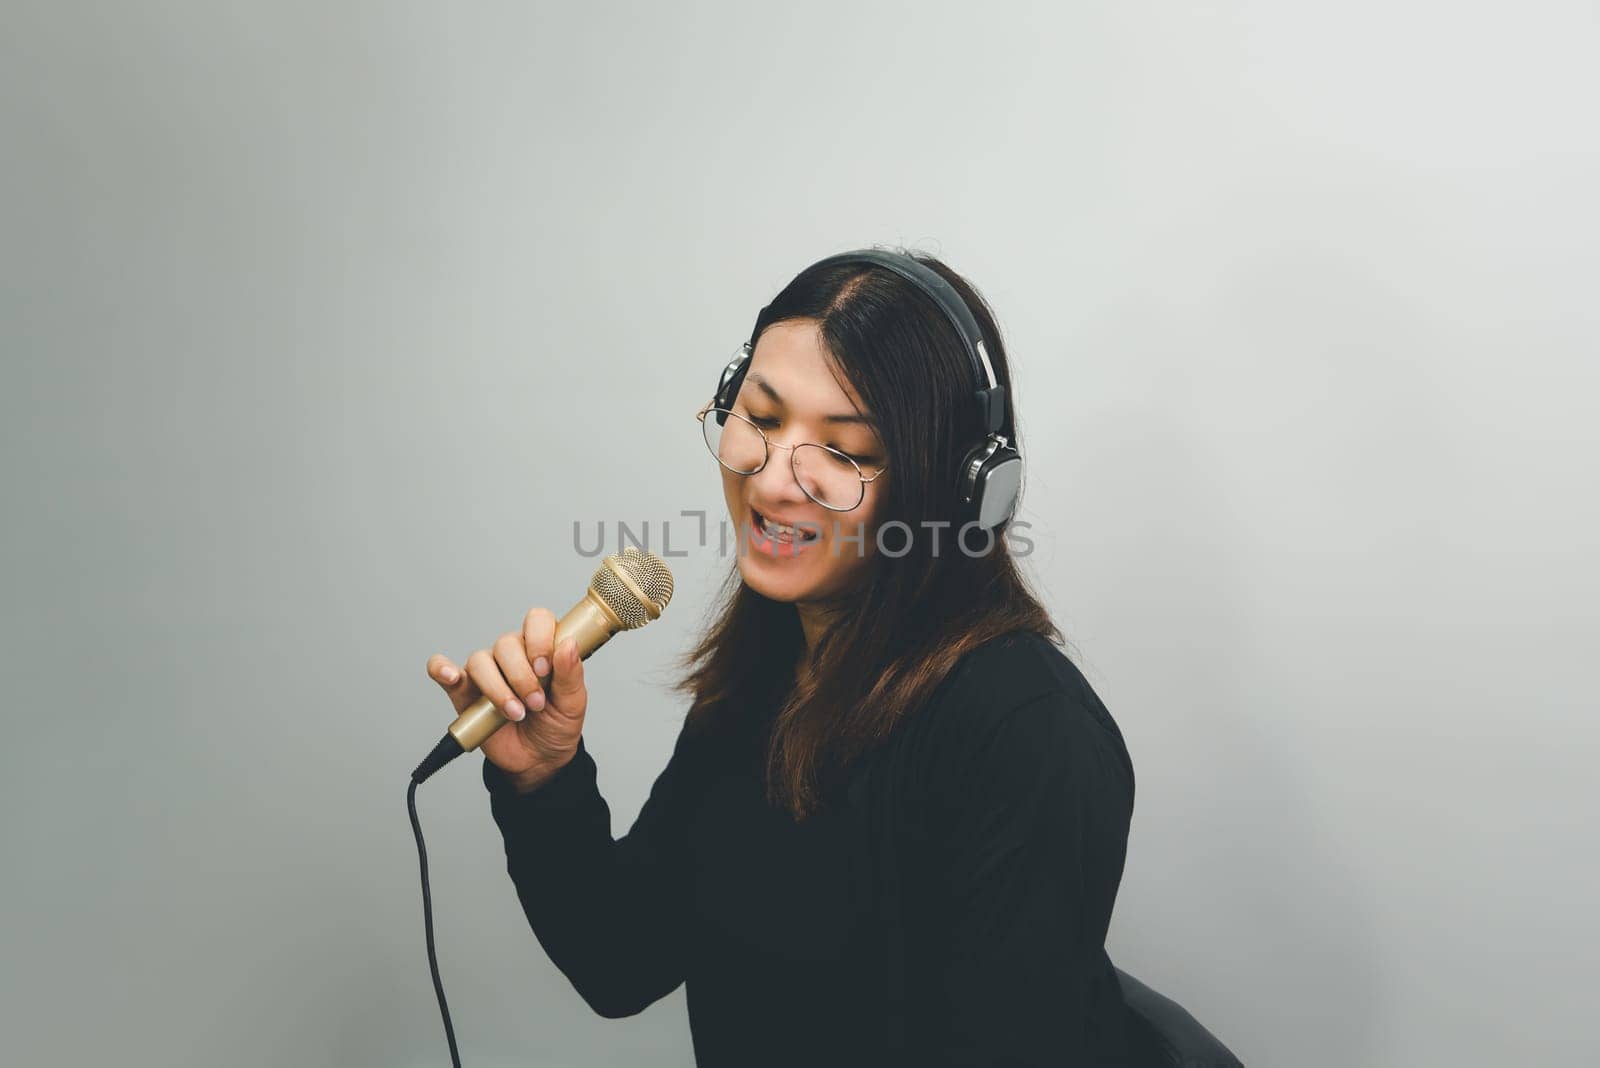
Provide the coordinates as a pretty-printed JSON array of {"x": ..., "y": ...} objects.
[{"x": 892, "y": 828}]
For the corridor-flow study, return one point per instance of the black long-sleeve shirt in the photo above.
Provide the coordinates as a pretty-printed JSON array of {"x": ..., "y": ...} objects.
[{"x": 950, "y": 910}]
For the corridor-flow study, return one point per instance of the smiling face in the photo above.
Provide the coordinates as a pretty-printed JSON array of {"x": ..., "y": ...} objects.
[{"x": 791, "y": 393}]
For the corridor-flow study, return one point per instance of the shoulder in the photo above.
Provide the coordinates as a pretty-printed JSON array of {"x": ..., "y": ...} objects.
[
  {"x": 1014, "y": 671},
  {"x": 1018, "y": 704},
  {"x": 1020, "y": 663}
]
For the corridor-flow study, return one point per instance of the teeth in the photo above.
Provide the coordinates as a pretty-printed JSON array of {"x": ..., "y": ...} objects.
[{"x": 783, "y": 530}]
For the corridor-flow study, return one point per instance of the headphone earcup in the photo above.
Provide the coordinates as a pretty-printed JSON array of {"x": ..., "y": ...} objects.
[
  {"x": 989, "y": 486},
  {"x": 729, "y": 381}
]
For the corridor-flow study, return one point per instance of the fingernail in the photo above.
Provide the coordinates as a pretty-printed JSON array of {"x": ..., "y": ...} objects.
[
  {"x": 514, "y": 709},
  {"x": 541, "y": 666},
  {"x": 537, "y": 700},
  {"x": 450, "y": 675}
]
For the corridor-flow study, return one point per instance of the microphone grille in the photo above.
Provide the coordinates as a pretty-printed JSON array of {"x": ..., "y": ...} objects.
[{"x": 645, "y": 570}]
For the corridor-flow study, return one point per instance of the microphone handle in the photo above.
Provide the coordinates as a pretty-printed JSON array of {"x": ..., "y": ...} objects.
[{"x": 589, "y": 623}]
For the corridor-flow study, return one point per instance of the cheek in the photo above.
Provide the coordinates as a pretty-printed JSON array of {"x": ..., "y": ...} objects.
[
  {"x": 862, "y": 522},
  {"x": 871, "y": 504},
  {"x": 732, "y": 490}
]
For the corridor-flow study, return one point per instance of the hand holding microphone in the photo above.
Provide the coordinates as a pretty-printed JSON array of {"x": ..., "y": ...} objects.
[
  {"x": 515, "y": 675},
  {"x": 542, "y": 666}
]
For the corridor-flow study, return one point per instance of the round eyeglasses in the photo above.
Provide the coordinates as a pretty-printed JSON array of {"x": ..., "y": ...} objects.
[{"x": 827, "y": 476}]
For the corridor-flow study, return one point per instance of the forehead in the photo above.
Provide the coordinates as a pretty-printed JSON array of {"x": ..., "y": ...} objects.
[{"x": 790, "y": 358}]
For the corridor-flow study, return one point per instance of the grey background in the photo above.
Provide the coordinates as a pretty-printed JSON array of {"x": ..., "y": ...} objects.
[{"x": 322, "y": 324}]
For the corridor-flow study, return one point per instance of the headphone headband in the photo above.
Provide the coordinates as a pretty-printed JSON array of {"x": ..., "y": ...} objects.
[{"x": 988, "y": 394}]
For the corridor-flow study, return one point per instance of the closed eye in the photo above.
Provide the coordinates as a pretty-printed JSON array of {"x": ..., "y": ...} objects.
[{"x": 767, "y": 422}]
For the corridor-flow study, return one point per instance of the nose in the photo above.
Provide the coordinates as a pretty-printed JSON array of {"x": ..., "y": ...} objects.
[{"x": 776, "y": 482}]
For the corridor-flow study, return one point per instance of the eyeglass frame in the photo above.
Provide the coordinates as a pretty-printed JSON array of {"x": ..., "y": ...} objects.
[{"x": 711, "y": 406}]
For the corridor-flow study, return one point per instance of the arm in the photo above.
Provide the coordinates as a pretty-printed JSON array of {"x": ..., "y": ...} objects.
[
  {"x": 610, "y": 913},
  {"x": 1027, "y": 834}
]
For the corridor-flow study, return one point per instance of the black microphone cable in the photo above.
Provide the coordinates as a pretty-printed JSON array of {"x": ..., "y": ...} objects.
[{"x": 438, "y": 757}]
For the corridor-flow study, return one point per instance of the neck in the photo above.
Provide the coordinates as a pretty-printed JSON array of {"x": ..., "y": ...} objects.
[{"x": 813, "y": 620}]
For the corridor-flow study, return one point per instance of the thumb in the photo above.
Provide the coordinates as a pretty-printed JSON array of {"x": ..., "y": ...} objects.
[{"x": 567, "y": 691}]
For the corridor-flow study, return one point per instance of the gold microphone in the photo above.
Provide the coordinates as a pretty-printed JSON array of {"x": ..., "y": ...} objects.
[{"x": 628, "y": 590}]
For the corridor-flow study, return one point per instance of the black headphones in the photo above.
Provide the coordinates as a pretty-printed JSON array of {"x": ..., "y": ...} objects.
[{"x": 990, "y": 477}]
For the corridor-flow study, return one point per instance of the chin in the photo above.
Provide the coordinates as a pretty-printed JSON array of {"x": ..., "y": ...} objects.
[
  {"x": 786, "y": 588},
  {"x": 791, "y": 586}
]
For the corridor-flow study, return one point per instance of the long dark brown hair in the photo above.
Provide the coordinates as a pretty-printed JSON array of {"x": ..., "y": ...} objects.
[{"x": 900, "y": 630}]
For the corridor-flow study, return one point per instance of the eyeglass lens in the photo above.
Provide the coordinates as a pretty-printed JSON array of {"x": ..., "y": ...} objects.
[{"x": 830, "y": 479}]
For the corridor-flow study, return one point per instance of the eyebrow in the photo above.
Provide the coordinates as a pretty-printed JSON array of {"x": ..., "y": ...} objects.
[{"x": 766, "y": 388}]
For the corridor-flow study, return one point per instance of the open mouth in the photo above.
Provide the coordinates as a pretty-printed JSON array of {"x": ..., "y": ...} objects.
[{"x": 783, "y": 535}]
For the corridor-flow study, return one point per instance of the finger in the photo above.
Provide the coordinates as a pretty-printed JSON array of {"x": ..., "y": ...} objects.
[
  {"x": 442, "y": 671},
  {"x": 485, "y": 672},
  {"x": 539, "y": 640},
  {"x": 456, "y": 683},
  {"x": 513, "y": 661},
  {"x": 567, "y": 691}
]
